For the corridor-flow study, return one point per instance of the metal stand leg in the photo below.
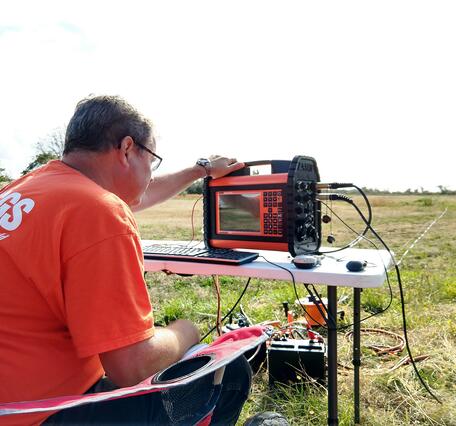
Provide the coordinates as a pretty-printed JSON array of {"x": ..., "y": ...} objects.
[
  {"x": 332, "y": 356},
  {"x": 356, "y": 349}
]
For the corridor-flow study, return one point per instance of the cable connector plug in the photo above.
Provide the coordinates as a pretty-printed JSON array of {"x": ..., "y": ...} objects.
[
  {"x": 334, "y": 197},
  {"x": 332, "y": 185}
]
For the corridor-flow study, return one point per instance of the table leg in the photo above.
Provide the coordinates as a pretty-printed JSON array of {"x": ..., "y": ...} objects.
[
  {"x": 356, "y": 350},
  {"x": 332, "y": 356}
]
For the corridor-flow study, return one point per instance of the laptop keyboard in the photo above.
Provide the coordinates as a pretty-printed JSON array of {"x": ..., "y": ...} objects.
[{"x": 198, "y": 254}]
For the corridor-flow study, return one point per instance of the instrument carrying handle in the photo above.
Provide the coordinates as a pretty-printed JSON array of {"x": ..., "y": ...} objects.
[
  {"x": 257, "y": 163},
  {"x": 277, "y": 166}
]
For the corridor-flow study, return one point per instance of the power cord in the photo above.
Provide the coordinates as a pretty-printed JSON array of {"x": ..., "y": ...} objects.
[
  {"x": 297, "y": 296},
  {"x": 218, "y": 323},
  {"x": 366, "y": 200},
  {"x": 401, "y": 292},
  {"x": 193, "y": 219},
  {"x": 230, "y": 311},
  {"x": 384, "y": 268},
  {"x": 317, "y": 297}
]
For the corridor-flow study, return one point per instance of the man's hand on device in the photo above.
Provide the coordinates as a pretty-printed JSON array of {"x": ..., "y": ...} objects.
[{"x": 217, "y": 166}]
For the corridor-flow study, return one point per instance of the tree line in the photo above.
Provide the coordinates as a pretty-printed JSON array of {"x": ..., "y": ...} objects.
[
  {"x": 51, "y": 148},
  {"x": 47, "y": 149}
]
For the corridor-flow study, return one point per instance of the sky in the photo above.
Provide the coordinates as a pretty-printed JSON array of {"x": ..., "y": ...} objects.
[{"x": 367, "y": 88}]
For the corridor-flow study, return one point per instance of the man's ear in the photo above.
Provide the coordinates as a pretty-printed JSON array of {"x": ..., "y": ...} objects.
[{"x": 125, "y": 149}]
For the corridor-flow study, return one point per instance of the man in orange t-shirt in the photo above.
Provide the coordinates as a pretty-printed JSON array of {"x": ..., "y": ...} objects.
[{"x": 73, "y": 302}]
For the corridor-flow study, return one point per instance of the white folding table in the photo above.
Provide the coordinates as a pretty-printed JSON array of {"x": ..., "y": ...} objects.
[{"x": 332, "y": 272}]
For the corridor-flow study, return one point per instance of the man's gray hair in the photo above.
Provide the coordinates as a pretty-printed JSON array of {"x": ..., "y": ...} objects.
[{"x": 101, "y": 122}]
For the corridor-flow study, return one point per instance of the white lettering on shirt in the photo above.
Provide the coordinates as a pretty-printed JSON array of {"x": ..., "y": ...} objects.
[{"x": 12, "y": 208}]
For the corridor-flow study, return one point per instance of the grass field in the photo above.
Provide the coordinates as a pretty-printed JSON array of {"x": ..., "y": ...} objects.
[{"x": 388, "y": 397}]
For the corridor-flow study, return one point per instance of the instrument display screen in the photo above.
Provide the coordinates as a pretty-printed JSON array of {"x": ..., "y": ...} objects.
[{"x": 240, "y": 212}]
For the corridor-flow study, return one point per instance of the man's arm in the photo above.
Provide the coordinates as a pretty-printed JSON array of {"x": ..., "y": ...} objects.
[
  {"x": 161, "y": 188},
  {"x": 130, "y": 365}
]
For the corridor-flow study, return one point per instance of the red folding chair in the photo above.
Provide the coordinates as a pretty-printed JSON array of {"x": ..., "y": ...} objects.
[{"x": 212, "y": 358}]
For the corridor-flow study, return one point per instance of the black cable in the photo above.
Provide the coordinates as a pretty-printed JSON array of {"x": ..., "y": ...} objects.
[
  {"x": 384, "y": 268},
  {"x": 401, "y": 292},
  {"x": 338, "y": 328},
  {"x": 361, "y": 236},
  {"x": 296, "y": 292},
  {"x": 319, "y": 305},
  {"x": 369, "y": 210},
  {"x": 230, "y": 311}
]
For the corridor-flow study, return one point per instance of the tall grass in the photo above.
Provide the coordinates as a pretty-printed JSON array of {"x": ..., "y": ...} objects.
[{"x": 388, "y": 396}]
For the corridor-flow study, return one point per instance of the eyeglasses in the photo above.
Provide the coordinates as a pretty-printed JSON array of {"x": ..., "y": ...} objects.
[{"x": 156, "y": 158}]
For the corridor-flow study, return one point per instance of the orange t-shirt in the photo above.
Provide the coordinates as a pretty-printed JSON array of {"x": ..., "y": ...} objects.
[{"x": 71, "y": 285}]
